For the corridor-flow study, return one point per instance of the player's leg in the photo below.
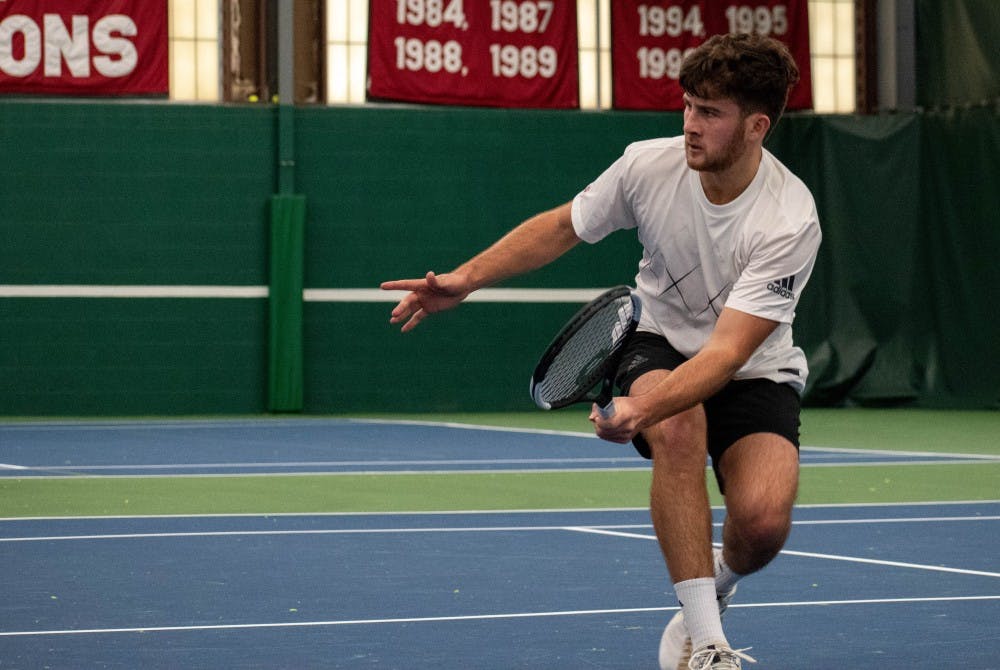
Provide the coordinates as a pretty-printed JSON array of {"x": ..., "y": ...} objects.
[
  {"x": 761, "y": 480},
  {"x": 682, "y": 518},
  {"x": 760, "y": 475},
  {"x": 679, "y": 505},
  {"x": 678, "y": 496},
  {"x": 760, "y": 472},
  {"x": 753, "y": 439}
]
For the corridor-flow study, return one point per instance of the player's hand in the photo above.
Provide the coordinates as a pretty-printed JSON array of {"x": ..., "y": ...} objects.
[
  {"x": 433, "y": 293},
  {"x": 621, "y": 426}
]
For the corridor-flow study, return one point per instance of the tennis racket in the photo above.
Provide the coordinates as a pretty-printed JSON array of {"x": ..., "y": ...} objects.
[{"x": 580, "y": 363}]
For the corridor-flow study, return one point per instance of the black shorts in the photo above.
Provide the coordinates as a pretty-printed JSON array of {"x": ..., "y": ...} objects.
[{"x": 741, "y": 408}]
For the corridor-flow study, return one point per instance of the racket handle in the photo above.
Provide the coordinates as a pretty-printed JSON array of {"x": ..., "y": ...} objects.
[{"x": 607, "y": 411}]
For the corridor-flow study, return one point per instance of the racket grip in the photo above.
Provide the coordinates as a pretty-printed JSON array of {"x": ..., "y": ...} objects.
[{"x": 607, "y": 411}]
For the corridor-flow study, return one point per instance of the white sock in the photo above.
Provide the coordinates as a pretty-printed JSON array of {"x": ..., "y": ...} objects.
[
  {"x": 701, "y": 612},
  {"x": 725, "y": 578}
]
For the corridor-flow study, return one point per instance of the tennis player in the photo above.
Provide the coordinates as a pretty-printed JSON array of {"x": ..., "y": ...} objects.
[{"x": 730, "y": 237}]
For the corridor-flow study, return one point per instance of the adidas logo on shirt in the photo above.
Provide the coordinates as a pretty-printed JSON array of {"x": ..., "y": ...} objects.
[{"x": 783, "y": 287}]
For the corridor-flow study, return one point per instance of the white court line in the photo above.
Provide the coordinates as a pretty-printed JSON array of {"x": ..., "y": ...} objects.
[
  {"x": 893, "y": 564},
  {"x": 475, "y": 617},
  {"x": 823, "y": 522},
  {"x": 959, "y": 460},
  {"x": 268, "y": 422},
  {"x": 320, "y": 531},
  {"x": 139, "y": 424},
  {"x": 918, "y": 503},
  {"x": 902, "y": 452},
  {"x": 603, "y": 529},
  {"x": 444, "y": 467},
  {"x": 807, "y": 554},
  {"x": 332, "y": 473},
  {"x": 805, "y": 448}
]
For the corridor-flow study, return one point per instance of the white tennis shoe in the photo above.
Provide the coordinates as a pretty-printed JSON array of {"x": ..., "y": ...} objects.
[
  {"x": 675, "y": 644},
  {"x": 718, "y": 658}
]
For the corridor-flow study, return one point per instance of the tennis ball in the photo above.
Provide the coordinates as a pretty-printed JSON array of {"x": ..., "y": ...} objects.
[{"x": 253, "y": 97}]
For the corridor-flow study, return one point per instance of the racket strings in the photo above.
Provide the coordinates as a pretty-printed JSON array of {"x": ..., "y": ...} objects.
[{"x": 580, "y": 363}]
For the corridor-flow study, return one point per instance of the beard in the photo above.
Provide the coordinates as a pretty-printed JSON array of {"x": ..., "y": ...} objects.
[{"x": 723, "y": 159}]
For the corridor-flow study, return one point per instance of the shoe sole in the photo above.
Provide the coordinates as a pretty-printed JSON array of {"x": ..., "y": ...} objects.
[{"x": 682, "y": 663}]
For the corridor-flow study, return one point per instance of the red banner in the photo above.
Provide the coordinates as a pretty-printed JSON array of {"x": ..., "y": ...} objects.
[
  {"x": 651, "y": 37},
  {"x": 83, "y": 47},
  {"x": 502, "y": 53}
]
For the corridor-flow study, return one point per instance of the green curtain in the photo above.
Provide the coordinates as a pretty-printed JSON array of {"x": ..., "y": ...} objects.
[
  {"x": 958, "y": 60},
  {"x": 959, "y": 272}
]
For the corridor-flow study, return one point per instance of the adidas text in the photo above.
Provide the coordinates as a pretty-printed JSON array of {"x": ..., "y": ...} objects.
[{"x": 783, "y": 287}]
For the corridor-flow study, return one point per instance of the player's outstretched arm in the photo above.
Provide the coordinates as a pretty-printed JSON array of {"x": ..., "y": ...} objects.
[{"x": 536, "y": 242}]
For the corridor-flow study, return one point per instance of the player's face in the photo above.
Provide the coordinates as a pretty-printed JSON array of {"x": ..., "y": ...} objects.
[{"x": 715, "y": 134}]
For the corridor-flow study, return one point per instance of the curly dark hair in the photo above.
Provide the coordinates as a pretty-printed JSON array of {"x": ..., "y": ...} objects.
[{"x": 756, "y": 72}]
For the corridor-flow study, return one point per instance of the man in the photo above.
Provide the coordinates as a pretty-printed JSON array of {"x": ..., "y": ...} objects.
[{"x": 730, "y": 238}]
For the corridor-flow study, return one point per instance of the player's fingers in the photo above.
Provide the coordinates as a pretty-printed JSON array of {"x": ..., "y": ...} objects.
[
  {"x": 414, "y": 321},
  {"x": 406, "y": 306},
  {"x": 403, "y": 284},
  {"x": 608, "y": 428}
]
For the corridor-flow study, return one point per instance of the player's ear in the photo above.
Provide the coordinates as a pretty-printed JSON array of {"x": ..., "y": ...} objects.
[{"x": 759, "y": 123}]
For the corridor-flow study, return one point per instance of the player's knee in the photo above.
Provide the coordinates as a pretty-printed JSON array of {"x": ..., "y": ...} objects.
[{"x": 763, "y": 530}]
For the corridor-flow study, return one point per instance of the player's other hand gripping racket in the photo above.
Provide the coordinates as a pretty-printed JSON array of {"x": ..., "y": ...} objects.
[{"x": 580, "y": 363}]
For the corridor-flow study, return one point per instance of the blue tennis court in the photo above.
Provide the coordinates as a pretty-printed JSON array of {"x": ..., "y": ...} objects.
[{"x": 913, "y": 586}]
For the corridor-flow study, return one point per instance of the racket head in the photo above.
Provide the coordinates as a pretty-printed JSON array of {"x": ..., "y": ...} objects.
[{"x": 585, "y": 352}]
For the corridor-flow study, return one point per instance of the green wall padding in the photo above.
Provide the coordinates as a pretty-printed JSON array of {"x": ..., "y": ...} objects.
[
  {"x": 288, "y": 216},
  {"x": 105, "y": 193},
  {"x": 132, "y": 356}
]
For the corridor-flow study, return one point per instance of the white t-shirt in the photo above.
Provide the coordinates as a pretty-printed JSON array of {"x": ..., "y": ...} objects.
[{"x": 754, "y": 254}]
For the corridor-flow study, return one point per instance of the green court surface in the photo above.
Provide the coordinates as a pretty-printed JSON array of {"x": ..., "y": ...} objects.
[{"x": 938, "y": 432}]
